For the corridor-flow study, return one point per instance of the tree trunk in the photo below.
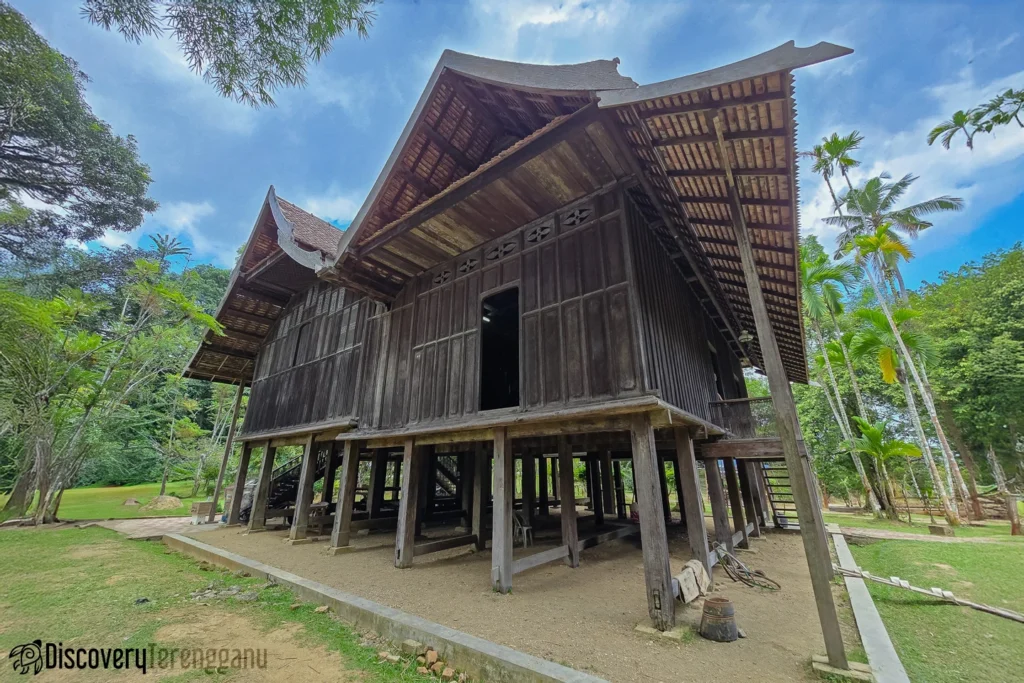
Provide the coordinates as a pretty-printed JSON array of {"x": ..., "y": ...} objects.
[
  {"x": 952, "y": 468},
  {"x": 163, "y": 481},
  {"x": 1011, "y": 501},
  {"x": 926, "y": 450},
  {"x": 19, "y": 501},
  {"x": 965, "y": 453},
  {"x": 908, "y": 360},
  {"x": 844, "y": 422},
  {"x": 890, "y": 492}
]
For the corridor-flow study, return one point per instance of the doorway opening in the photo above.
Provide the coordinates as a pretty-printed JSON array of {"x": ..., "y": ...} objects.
[{"x": 499, "y": 350}]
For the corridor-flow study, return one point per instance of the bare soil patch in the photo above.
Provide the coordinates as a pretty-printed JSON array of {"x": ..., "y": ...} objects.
[{"x": 584, "y": 617}]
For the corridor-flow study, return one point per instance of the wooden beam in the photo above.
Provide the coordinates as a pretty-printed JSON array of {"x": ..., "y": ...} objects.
[
  {"x": 686, "y": 470},
  {"x": 228, "y": 444},
  {"x": 747, "y": 201},
  {"x": 406, "y": 536},
  {"x": 732, "y": 485},
  {"x": 245, "y": 337},
  {"x": 711, "y": 137},
  {"x": 731, "y": 243},
  {"x": 378, "y": 478},
  {"x": 542, "y": 480},
  {"x": 816, "y": 549},
  {"x": 529, "y": 486},
  {"x": 720, "y": 173},
  {"x": 263, "y": 297},
  {"x": 719, "y": 514},
  {"x": 596, "y": 495},
  {"x": 238, "y": 489},
  {"x": 304, "y": 492},
  {"x": 247, "y": 317},
  {"x": 607, "y": 489},
  {"x": 263, "y": 265},
  {"x": 446, "y": 147},
  {"x": 418, "y": 183},
  {"x": 745, "y": 469},
  {"x": 444, "y": 544},
  {"x": 501, "y": 524},
  {"x": 567, "y": 500},
  {"x": 258, "y": 511},
  {"x": 341, "y": 533},
  {"x": 330, "y": 474},
  {"x": 727, "y": 223},
  {"x": 444, "y": 201},
  {"x": 234, "y": 353},
  {"x": 537, "y": 559},
  {"x": 710, "y": 105},
  {"x": 605, "y": 537},
  {"x": 657, "y": 571}
]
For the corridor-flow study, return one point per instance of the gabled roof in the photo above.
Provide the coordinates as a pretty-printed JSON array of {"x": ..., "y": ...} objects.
[
  {"x": 286, "y": 248},
  {"x": 476, "y": 113}
]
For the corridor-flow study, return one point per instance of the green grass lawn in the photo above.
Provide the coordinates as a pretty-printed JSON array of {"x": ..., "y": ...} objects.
[
  {"x": 939, "y": 642},
  {"x": 994, "y": 528},
  {"x": 79, "y": 587},
  {"x": 107, "y": 502}
]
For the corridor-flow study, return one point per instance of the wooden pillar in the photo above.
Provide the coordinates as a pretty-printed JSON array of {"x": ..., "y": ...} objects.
[
  {"x": 427, "y": 480},
  {"x": 501, "y": 524},
  {"x": 258, "y": 511},
  {"x": 686, "y": 472},
  {"x": 542, "y": 480},
  {"x": 480, "y": 474},
  {"x": 529, "y": 486},
  {"x": 620, "y": 491},
  {"x": 330, "y": 473},
  {"x": 657, "y": 571},
  {"x": 227, "y": 451},
  {"x": 467, "y": 461},
  {"x": 597, "y": 475},
  {"x": 749, "y": 495},
  {"x": 679, "y": 493},
  {"x": 666, "y": 504},
  {"x": 378, "y": 480},
  {"x": 588, "y": 477},
  {"x": 239, "y": 488},
  {"x": 405, "y": 538},
  {"x": 732, "y": 483},
  {"x": 819, "y": 560},
  {"x": 304, "y": 492},
  {"x": 606, "y": 481},
  {"x": 342, "y": 532},
  {"x": 555, "y": 482},
  {"x": 567, "y": 509},
  {"x": 723, "y": 534}
]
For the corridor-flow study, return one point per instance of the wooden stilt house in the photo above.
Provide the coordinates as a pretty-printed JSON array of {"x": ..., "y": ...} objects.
[{"x": 554, "y": 263}]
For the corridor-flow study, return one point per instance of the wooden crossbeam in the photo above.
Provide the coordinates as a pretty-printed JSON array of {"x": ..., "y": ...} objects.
[
  {"x": 747, "y": 201},
  {"x": 727, "y": 223},
  {"x": 740, "y": 286},
  {"x": 731, "y": 243},
  {"x": 243, "y": 336},
  {"x": 247, "y": 317},
  {"x": 712, "y": 105},
  {"x": 704, "y": 172},
  {"x": 447, "y": 147},
  {"x": 711, "y": 137},
  {"x": 736, "y": 259},
  {"x": 418, "y": 183},
  {"x": 763, "y": 278},
  {"x": 234, "y": 353},
  {"x": 262, "y": 297}
]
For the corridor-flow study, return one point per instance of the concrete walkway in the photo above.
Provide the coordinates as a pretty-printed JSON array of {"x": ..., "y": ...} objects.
[{"x": 154, "y": 528}]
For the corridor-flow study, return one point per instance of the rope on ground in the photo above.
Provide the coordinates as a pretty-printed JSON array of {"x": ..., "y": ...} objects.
[
  {"x": 944, "y": 595},
  {"x": 737, "y": 571}
]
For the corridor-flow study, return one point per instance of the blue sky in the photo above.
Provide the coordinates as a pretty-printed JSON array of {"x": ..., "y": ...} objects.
[{"x": 322, "y": 146}]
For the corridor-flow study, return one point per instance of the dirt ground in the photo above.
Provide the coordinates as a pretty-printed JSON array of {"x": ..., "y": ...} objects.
[{"x": 584, "y": 618}]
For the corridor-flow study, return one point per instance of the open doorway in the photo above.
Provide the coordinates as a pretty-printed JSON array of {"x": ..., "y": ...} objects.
[{"x": 499, "y": 350}]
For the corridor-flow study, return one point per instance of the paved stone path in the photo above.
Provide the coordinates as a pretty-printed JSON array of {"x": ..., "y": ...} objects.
[{"x": 154, "y": 527}]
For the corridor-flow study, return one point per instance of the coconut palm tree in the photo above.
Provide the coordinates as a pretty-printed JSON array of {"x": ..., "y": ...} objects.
[
  {"x": 877, "y": 445},
  {"x": 820, "y": 282},
  {"x": 968, "y": 122},
  {"x": 882, "y": 338},
  {"x": 822, "y": 165},
  {"x": 876, "y": 204},
  {"x": 838, "y": 149}
]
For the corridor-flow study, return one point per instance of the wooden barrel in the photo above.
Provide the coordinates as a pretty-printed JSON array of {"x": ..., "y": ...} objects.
[{"x": 718, "y": 621}]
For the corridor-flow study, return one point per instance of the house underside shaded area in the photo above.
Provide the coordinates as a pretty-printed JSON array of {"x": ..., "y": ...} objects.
[{"x": 556, "y": 271}]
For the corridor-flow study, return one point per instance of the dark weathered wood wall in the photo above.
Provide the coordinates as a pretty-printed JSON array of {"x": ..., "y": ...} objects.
[
  {"x": 577, "y": 327},
  {"x": 676, "y": 330},
  {"x": 595, "y": 288},
  {"x": 309, "y": 370}
]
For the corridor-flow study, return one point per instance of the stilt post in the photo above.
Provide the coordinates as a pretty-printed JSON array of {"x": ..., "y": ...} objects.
[
  {"x": 480, "y": 473},
  {"x": 686, "y": 471},
  {"x": 529, "y": 486},
  {"x": 378, "y": 480},
  {"x": 258, "y": 511},
  {"x": 657, "y": 571},
  {"x": 304, "y": 492},
  {"x": 719, "y": 513},
  {"x": 227, "y": 451},
  {"x": 732, "y": 484},
  {"x": 405, "y": 538},
  {"x": 606, "y": 481},
  {"x": 567, "y": 507},
  {"x": 501, "y": 525},
  {"x": 239, "y": 486},
  {"x": 620, "y": 490},
  {"x": 341, "y": 533},
  {"x": 749, "y": 495},
  {"x": 542, "y": 480},
  {"x": 331, "y": 473}
]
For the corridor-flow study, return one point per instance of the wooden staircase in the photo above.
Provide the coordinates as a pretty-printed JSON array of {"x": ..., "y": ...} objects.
[{"x": 780, "y": 493}]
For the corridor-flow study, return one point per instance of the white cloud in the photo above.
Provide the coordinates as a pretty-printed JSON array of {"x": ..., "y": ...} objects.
[
  {"x": 332, "y": 205},
  {"x": 981, "y": 177}
]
